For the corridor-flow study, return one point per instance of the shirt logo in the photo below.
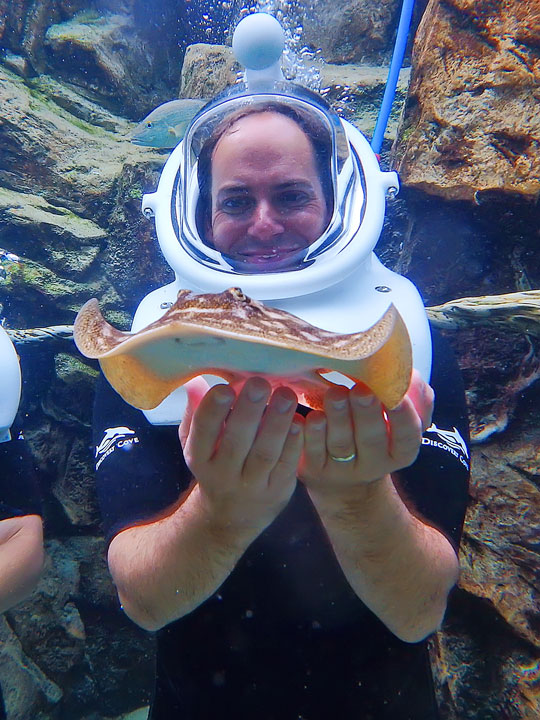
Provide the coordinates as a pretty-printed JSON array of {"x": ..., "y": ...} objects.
[
  {"x": 449, "y": 440},
  {"x": 117, "y": 437}
]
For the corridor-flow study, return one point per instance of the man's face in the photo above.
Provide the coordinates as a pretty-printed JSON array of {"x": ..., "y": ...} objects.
[{"x": 267, "y": 198}]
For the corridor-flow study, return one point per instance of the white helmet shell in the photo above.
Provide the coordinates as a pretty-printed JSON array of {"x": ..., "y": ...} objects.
[
  {"x": 359, "y": 207},
  {"x": 339, "y": 284},
  {"x": 10, "y": 389}
]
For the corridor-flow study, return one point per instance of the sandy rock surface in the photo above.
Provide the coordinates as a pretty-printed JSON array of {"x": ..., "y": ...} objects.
[{"x": 471, "y": 128}]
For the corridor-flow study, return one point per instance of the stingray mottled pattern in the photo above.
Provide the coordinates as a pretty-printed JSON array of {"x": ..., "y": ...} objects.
[{"x": 233, "y": 336}]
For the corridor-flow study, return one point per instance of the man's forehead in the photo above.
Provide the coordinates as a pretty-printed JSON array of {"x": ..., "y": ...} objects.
[
  {"x": 269, "y": 129},
  {"x": 263, "y": 146},
  {"x": 232, "y": 186}
]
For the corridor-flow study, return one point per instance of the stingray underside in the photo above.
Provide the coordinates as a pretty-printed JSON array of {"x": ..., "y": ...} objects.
[{"x": 145, "y": 367}]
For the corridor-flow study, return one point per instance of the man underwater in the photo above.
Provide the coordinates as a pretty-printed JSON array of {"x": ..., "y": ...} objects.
[{"x": 291, "y": 562}]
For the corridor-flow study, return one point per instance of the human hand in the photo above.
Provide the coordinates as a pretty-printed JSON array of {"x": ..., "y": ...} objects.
[
  {"x": 243, "y": 449},
  {"x": 368, "y": 445}
]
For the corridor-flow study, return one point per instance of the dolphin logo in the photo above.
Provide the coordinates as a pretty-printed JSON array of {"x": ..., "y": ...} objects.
[
  {"x": 451, "y": 437},
  {"x": 111, "y": 436}
]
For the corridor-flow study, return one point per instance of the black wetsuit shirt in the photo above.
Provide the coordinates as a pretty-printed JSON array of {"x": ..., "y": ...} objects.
[{"x": 285, "y": 637}]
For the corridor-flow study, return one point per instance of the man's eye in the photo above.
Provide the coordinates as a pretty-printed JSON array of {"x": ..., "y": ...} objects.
[
  {"x": 236, "y": 205},
  {"x": 293, "y": 198}
]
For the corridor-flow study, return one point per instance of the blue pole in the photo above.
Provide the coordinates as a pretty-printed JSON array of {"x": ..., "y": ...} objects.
[{"x": 393, "y": 74}]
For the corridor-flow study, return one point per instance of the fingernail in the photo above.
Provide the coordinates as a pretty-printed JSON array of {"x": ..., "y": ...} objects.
[
  {"x": 295, "y": 429},
  {"x": 282, "y": 403},
  {"x": 223, "y": 395},
  {"x": 363, "y": 400},
  {"x": 256, "y": 391},
  {"x": 340, "y": 404}
]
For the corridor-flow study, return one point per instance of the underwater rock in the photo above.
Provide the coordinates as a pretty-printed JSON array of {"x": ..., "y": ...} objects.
[
  {"x": 70, "y": 99},
  {"x": 138, "y": 46},
  {"x": 75, "y": 638},
  {"x": 499, "y": 552},
  {"x": 17, "y": 64},
  {"x": 207, "y": 70},
  {"x": 78, "y": 207},
  {"x": 47, "y": 151},
  {"x": 486, "y": 657},
  {"x": 131, "y": 259},
  {"x": 74, "y": 488},
  {"x": 25, "y": 687},
  {"x": 28, "y": 209},
  {"x": 37, "y": 221},
  {"x": 25, "y": 283},
  {"x": 481, "y": 670},
  {"x": 471, "y": 122},
  {"x": 23, "y": 24},
  {"x": 74, "y": 372},
  {"x": 39, "y": 621},
  {"x": 354, "y": 30},
  {"x": 499, "y": 370},
  {"x": 105, "y": 54},
  {"x": 356, "y": 92}
]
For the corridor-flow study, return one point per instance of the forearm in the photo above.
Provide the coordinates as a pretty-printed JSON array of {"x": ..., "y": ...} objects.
[
  {"x": 400, "y": 568},
  {"x": 167, "y": 568},
  {"x": 21, "y": 558}
]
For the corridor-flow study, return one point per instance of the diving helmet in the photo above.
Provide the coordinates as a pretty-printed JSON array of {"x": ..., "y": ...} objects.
[
  {"x": 10, "y": 392},
  {"x": 336, "y": 283}
]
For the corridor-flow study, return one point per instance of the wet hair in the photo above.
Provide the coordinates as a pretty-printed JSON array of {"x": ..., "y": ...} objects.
[{"x": 315, "y": 130}]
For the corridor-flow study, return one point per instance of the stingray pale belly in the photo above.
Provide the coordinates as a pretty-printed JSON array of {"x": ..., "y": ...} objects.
[{"x": 235, "y": 337}]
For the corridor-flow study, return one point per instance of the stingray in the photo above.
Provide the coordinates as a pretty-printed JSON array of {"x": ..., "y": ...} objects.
[{"x": 235, "y": 337}]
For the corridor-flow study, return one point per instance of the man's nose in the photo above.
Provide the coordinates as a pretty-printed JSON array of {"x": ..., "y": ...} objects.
[{"x": 266, "y": 222}]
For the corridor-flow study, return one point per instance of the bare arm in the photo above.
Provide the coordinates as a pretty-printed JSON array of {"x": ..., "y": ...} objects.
[
  {"x": 244, "y": 461},
  {"x": 21, "y": 558},
  {"x": 401, "y": 568},
  {"x": 165, "y": 569}
]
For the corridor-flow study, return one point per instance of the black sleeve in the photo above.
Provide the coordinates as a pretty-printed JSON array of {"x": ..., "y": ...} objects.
[
  {"x": 437, "y": 482},
  {"x": 140, "y": 469},
  {"x": 19, "y": 487}
]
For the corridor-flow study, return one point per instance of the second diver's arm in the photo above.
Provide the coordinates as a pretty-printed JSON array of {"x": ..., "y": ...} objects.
[{"x": 21, "y": 558}]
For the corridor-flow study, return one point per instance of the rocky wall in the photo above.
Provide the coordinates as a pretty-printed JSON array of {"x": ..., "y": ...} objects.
[
  {"x": 471, "y": 127},
  {"x": 468, "y": 153}
]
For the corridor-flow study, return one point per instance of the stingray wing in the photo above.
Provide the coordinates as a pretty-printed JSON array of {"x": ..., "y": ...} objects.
[{"x": 145, "y": 367}]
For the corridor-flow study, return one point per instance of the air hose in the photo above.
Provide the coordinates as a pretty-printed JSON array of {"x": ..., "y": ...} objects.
[{"x": 393, "y": 74}]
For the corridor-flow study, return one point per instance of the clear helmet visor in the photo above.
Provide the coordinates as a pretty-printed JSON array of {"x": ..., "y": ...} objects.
[{"x": 338, "y": 171}]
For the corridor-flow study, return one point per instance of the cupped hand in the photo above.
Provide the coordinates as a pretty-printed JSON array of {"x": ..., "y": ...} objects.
[
  {"x": 368, "y": 441},
  {"x": 243, "y": 449}
]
